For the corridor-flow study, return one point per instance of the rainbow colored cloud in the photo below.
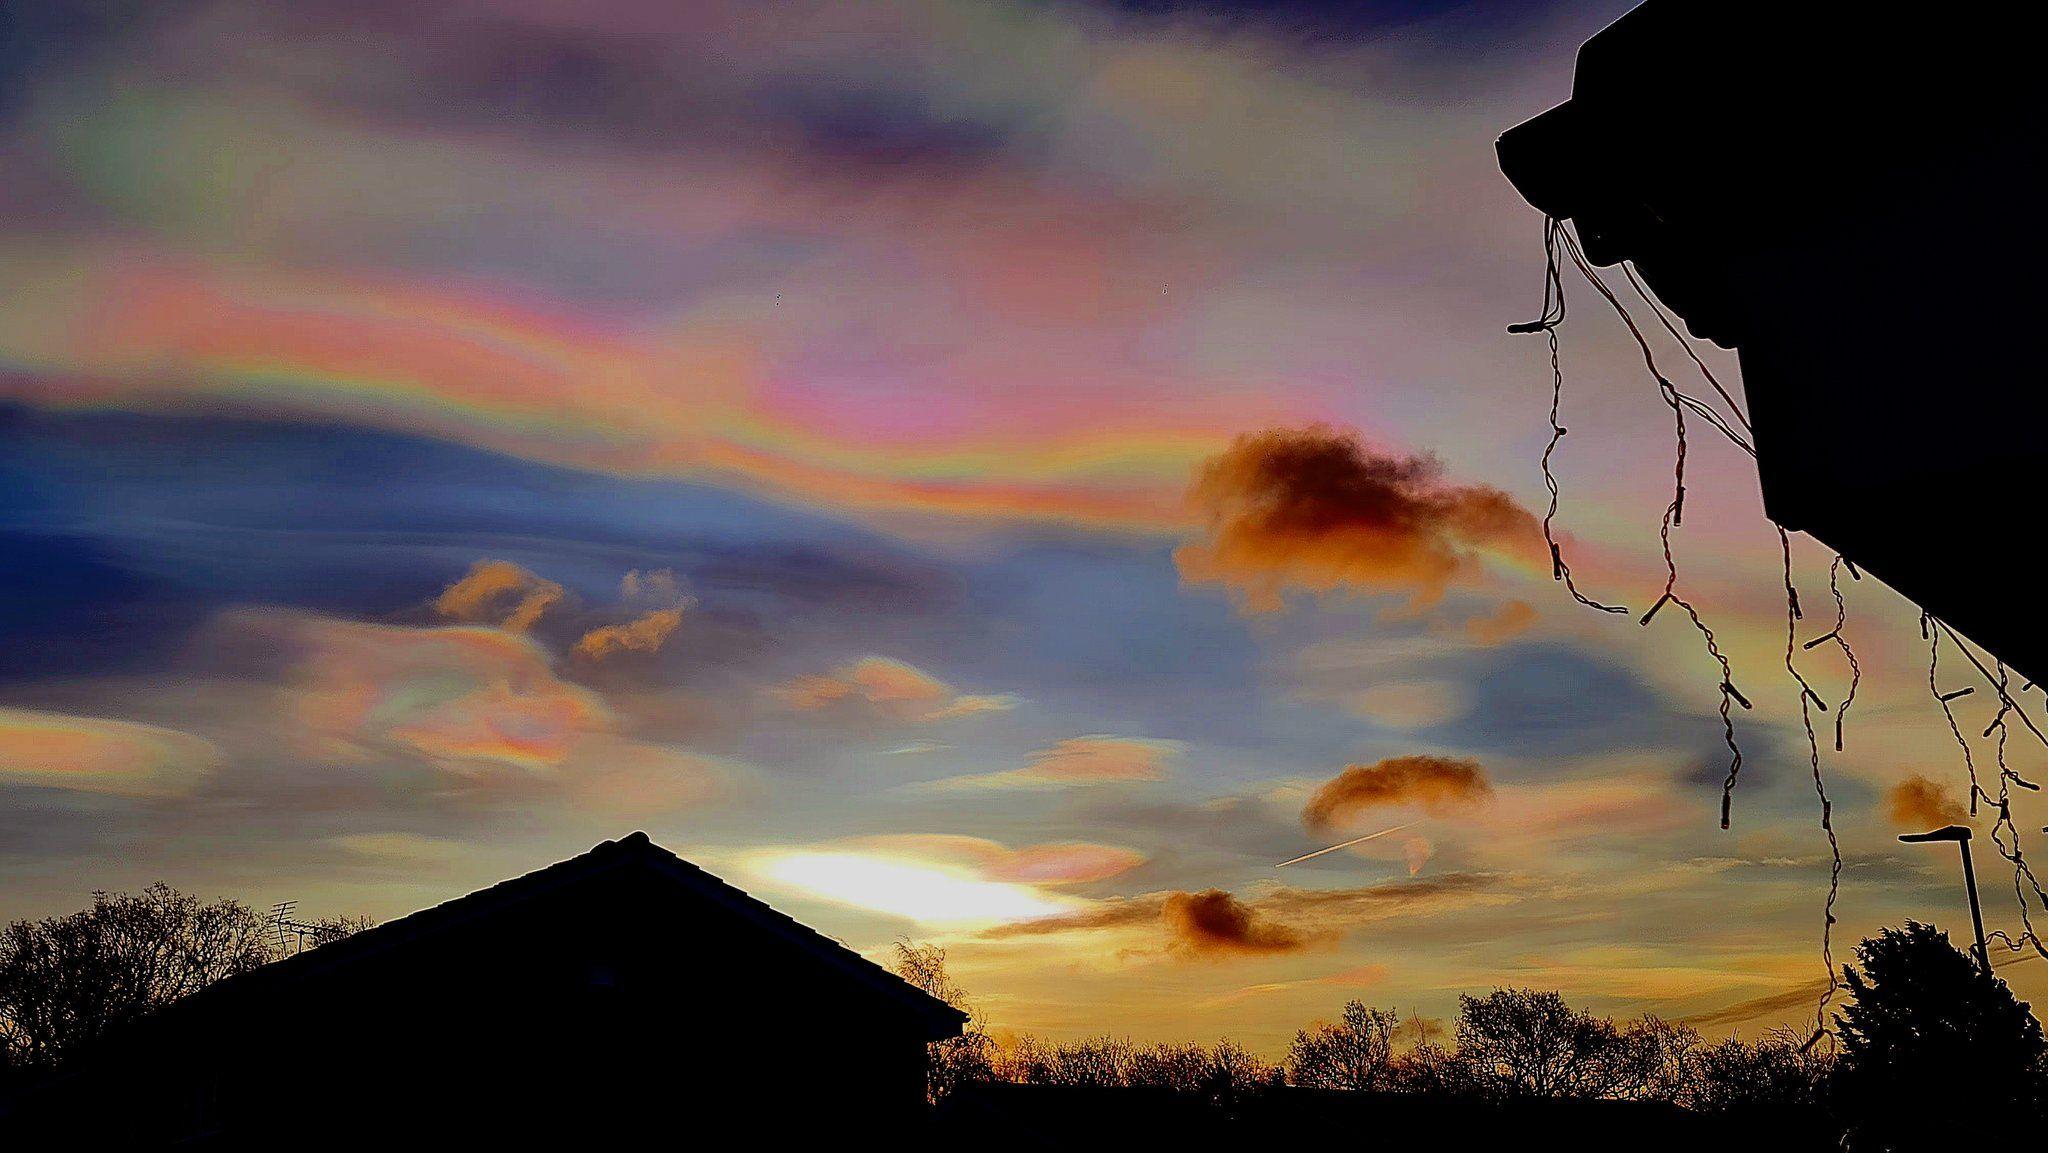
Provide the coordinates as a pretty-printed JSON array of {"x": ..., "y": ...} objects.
[{"x": 98, "y": 755}]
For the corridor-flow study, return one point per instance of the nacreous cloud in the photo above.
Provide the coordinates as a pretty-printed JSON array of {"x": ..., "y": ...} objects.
[
  {"x": 1091, "y": 760},
  {"x": 1439, "y": 784},
  {"x": 1317, "y": 509},
  {"x": 96, "y": 755},
  {"x": 457, "y": 696},
  {"x": 890, "y": 689}
]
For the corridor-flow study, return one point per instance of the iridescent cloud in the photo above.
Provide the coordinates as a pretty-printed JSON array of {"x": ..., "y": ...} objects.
[
  {"x": 1098, "y": 759},
  {"x": 889, "y": 688},
  {"x": 99, "y": 755},
  {"x": 461, "y": 696}
]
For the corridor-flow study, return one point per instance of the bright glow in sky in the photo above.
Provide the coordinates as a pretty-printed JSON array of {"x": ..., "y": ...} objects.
[{"x": 930, "y": 895}]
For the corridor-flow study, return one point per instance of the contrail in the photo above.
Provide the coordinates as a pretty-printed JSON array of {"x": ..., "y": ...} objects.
[{"x": 1346, "y": 845}]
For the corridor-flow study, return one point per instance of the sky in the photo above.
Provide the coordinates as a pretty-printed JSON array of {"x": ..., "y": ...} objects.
[{"x": 1000, "y": 475}]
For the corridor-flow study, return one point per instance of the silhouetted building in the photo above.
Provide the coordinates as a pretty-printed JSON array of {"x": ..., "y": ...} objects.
[
  {"x": 1846, "y": 194},
  {"x": 621, "y": 997}
]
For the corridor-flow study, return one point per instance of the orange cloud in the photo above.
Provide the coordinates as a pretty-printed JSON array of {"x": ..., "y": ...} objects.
[
  {"x": 1213, "y": 923},
  {"x": 500, "y": 592},
  {"x": 889, "y": 688},
  {"x": 1512, "y": 620},
  {"x": 97, "y": 755},
  {"x": 1276, "y": 920},
  {"x": 1437, "y": 783},
  {"x": 643, "y": 634},
  {"x": 1317, "y": 509},
  {"x": 1921, "y": 803}
]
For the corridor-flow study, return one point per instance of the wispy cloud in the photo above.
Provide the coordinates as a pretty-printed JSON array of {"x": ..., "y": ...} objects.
[
  {"x": 99, "y": 755},
  {"x": 1098, "y": 759},
  {"x": 887, "y": 688}
]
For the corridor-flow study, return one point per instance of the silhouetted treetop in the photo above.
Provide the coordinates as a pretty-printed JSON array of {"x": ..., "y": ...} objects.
[{"x": 1929, "y": 1028}]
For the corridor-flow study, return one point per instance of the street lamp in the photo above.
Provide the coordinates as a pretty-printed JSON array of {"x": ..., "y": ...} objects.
[{"x": 1960, "y": 834}]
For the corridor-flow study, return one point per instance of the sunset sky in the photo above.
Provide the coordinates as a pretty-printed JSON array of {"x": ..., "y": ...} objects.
[{"x": 1004, "y": 475}]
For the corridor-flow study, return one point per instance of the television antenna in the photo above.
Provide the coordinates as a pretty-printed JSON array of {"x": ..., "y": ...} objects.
[{"x": 292, "y": 933}]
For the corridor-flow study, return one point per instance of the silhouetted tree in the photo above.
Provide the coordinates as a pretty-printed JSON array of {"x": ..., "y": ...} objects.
[
  {"x": 67, "y": 980},
  {"x": 1930, "y": 1033},
  {"x": 1356, "y": 1052},
  {"x": 1525, "y": 1043},
  {"x": 1182, "y": 1067},
  {"x": 1097, "y": 1062},
  {"x": 1236, "y": 1074},
  {"x": 955, "y": 1061},
  {"x": 1429, "y": 1068},
  {"x": 1777, "y": 1072},
  {"x": 1654, "y": 1060}
]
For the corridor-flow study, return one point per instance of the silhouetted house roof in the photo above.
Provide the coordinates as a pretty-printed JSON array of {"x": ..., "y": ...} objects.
[
  {"x": 1847, "y": 196},
  {"x": 634, "y": 852},
  {"x": 620, "y": 997}
]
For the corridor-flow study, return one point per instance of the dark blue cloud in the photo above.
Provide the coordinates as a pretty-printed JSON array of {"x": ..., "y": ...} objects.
[
  {"x": 1548, "y": 700},
  {"x": 118, "y": 532},
  {"x": 41, "y": 39}
]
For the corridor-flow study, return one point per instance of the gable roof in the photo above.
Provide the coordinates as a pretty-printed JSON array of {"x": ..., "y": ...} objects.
[{"x": 633, "y": 851}]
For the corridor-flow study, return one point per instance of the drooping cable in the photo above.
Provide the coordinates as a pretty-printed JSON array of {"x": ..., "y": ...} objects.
[
  {"x": 1671, "y": 327},
  {"x": 1808, "y": 701},
  {"x": 1674, "y": 515},
  {"x": 1553, "y": 315},
  {"x": 1841, "y": 641},
  {"x": 2008, "y": 705}
]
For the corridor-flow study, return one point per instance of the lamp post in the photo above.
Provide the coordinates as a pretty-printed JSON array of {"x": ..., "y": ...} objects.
[{"x": 1960, "y": 834}]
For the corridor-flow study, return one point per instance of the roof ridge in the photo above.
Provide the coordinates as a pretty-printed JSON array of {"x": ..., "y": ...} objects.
[{"x": 593, "y": 861}]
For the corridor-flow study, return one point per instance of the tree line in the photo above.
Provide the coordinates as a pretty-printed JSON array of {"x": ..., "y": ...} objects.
[
  {"x": 1922, "y": 1027},
  {"x": 1923, "y": 1030}
]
